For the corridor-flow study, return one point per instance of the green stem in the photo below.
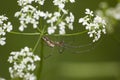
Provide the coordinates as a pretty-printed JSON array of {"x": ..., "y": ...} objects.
[
  {"x": 41, "y": 62},
  {"x": 59, "y": 20},
  {"x": 40, "y": 66},
  {"x": 37, "y": 43},
  {"x": 73, "y": 34},
  {"x": 31, "y": 34},
  {"x": 19, "y": 33}
]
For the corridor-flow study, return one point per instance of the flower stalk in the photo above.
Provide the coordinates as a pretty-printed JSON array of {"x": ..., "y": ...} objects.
[{"x": 41, "y": 62}]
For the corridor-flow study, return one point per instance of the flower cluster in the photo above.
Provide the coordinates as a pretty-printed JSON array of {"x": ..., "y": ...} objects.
[
  {"x": 4, "y": 28},
  {"x": 29, "y": 14},
  {"x": 58, "y": 19},
  {"x": 26, "y": 2},
  {"x": 68, "y": 21},
  {"x": 23, "y": 64},
  {"x": 61, "y": 4},
  {"x": 94, "y": 24},
  {"x": 26, "y": 17},
  {"x": 111, "y": 15}
]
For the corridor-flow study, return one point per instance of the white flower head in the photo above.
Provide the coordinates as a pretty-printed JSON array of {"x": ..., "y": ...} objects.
[
  {"x": 29, "y": 76},
  {"x": 23, "y": 64},
  {"x": 8, "y": 27},
  {"x": 2, "y": 41},
  {"x": 61, "y": 4},
  {"x": 5, "y": 27},
  {"x": 27, "y": 2},
  {"x": 41, "y": 2},
  {"x": 51, "y": 30},
  {"x": 62, "y": 28},
  {"x": 70, "y": 20},
  {"x": 28, "y": 15},
  {"x": 88, "y": 12},
  {"x": 31, "y": 14},
  {"x": 94, "y": 24},
  {"x": 72, "y": 1}
]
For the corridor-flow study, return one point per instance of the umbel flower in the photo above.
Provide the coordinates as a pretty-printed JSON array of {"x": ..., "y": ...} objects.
[
  {"x": 23, "y": 64},
  {"x": 5, "y": 27},
  {"x": 94, "y": 24},
  {"x": 31, "y": 14}
]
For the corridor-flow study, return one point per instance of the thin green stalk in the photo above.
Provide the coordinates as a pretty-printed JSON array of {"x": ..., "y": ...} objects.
[
  {"x": 59, "y": 20},
  {"x": 19, "y": 33},
  {"x": 40, "y": 66},
  {"x": 39, "y": 29},
  {"x": 41, "y": 62},
  {"x": 72, "y": 34},
  {"x": 37, "y": 43},
  {"x": 32, "y": 34}
]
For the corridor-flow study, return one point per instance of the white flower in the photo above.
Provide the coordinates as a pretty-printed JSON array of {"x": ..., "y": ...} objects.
[
  {"x": 62, "y": 28},
  {"x": 70, "y": 21},
  {"x": 3, "y": 18},
  {"x": 23, "y": 64},
  {"x": 98, "y": 19},
  {"x": 30, "y": 14},
  {"x": 61, "y": 4},
  {"x": 26, "y": 2},
  {"x": 10, "y": 59},
  {"x": 22, "y": 26},
  {"x": 41, "y": 2},
  {"x": 70, "y": 26},
  {"x": 55, "y": 20},
  {"x": 35, "y": 23},
  {"x": 88, "y": 12},
  {"x": 36, "y": 58},
  {"x": 84, "y": 20},
  {"x": 57, "y": 14},
  {"x": 2, "y": 31},
  {"x": 31, "y": 67},
  {"x": 2, "y": 41},
  {"x": 51, "y": 30},
  {"x": 72, "y": 1},
  {"x": 62, "y": 25},
  {"x": 47, "y": 15},
  {"x": 62, "y": 31},
  {"x": 94, "y": 24},
  {"x": 52, "y": 20},
  {"x": 29, "y": 76},
  {"x": 4, "y": 28},
  {"x": 8, "y": 27}
]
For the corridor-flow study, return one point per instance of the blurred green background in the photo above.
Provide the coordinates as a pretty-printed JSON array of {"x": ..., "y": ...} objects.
[{"x": 100, "y": 61}]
